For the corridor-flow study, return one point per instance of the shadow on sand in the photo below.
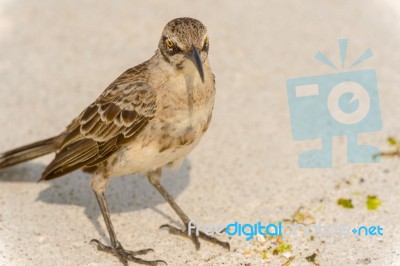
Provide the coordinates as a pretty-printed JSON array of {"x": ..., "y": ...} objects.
[{"x": 124, "y": 194}]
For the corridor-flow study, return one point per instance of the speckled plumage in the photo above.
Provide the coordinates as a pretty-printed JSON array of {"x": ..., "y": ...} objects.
[{"x": 152, "y": 115}]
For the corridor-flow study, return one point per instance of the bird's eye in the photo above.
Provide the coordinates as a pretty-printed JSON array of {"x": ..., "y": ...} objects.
[{"x": 170, "y": 44}]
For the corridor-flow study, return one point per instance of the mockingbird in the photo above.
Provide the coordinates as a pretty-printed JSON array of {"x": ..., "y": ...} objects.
[{"x": 151, "y": 116}]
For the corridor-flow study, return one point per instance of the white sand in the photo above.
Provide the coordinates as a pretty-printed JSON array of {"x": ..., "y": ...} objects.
[{"x": 58, "y": 56}]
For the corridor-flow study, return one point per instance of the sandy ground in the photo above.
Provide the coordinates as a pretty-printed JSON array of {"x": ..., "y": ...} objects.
[{"x": 58, "y": 56}]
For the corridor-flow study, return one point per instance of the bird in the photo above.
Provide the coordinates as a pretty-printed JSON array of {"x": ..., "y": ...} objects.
[{"x": 152, "y": 116}]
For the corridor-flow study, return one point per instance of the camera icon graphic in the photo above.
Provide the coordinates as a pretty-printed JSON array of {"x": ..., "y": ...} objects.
[{"x": 344, "y": 103}]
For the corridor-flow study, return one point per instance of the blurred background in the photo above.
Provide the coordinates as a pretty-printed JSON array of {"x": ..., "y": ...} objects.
[{"x": 56, "y": 57}]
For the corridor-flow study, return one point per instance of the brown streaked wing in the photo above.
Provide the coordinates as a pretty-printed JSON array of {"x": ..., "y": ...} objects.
[
  {"x": 70, "y": 158},
  {"x": 115, "y": 118}
]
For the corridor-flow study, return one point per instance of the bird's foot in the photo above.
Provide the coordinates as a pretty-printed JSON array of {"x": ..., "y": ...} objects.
[
  {"x": 194, "y": 235},
  {"x": 125, "y": 255}
]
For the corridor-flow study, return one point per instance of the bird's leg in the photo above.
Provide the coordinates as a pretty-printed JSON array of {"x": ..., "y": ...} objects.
[
  {"x": 194, "y": 234},
  {"x": 99, "y": 184}
]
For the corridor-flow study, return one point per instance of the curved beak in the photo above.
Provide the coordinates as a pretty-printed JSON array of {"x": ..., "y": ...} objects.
[{"x": 194, "y": 56}]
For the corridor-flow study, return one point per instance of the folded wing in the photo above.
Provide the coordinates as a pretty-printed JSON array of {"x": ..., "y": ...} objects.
[{"x": 114, "y": 119}]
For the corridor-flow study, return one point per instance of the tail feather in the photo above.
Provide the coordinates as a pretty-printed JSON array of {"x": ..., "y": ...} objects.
[{"x": 28, "y": 152}]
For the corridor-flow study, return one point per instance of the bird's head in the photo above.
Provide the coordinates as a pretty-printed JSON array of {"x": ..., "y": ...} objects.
[{"x": 184, "y": 44}]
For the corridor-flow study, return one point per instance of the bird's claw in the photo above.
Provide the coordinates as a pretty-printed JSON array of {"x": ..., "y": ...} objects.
[
  {"x": 125, "y": 255},
  {"x": 194, "y": 235}
]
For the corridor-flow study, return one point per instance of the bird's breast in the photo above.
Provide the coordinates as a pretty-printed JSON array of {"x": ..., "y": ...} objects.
[{"x": 179, "y": 123}]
